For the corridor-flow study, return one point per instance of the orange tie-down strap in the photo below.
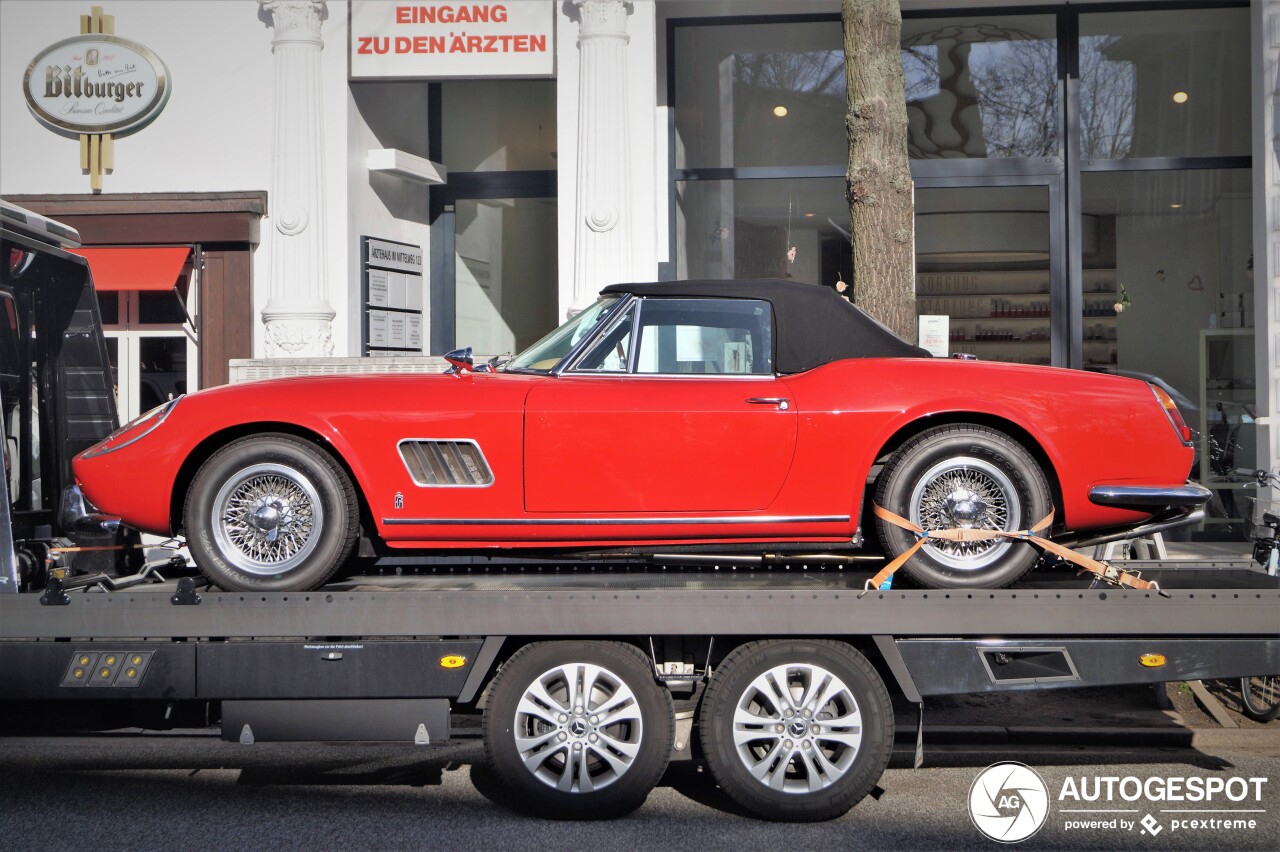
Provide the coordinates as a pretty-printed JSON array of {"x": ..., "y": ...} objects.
[{"x": 1101, "y": 570}]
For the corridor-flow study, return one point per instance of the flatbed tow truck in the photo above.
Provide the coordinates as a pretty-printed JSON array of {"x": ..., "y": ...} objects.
[{"x": 586, "y": 680}]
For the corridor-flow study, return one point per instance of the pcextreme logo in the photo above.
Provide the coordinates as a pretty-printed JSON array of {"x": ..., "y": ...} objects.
[{"x": 1008, "y": 802}]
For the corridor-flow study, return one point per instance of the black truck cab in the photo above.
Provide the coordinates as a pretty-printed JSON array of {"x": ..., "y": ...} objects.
[{"x": 57, "y": 397}]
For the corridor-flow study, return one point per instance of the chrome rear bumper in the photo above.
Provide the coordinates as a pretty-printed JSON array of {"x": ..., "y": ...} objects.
[{"x": 1149, "y": 497}]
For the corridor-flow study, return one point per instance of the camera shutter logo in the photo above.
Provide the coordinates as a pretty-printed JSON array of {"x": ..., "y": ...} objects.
[{"x": 1008, "y": 802}]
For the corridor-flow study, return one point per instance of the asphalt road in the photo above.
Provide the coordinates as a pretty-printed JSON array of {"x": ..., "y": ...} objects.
[{"x": 194, "y": 793}]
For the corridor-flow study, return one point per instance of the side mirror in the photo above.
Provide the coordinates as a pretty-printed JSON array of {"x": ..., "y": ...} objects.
[{"x": 460, "y": 361}]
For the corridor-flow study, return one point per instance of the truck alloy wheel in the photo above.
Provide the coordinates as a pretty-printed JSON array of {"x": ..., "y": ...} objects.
[
  {"x": 796, "y": 730},
  {"x": 578, "y": 730}
]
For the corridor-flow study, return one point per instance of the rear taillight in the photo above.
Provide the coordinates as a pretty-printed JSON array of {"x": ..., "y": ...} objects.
[{"x": 1175, "y": 416}]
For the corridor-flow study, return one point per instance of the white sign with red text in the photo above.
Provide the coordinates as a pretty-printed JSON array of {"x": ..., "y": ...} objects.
[{"x": 442, "y": 40}]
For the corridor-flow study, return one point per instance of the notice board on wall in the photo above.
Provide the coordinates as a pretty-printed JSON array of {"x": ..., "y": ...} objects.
[{"x": 391, "y": 294}]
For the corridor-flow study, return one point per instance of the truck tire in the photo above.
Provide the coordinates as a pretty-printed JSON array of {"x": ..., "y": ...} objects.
[
  {"x": 796, "y": 730},
  {"x": 271, "y": 513},
  {"x": 963, "y": 476},
  {"x": 578, "y": 730}
]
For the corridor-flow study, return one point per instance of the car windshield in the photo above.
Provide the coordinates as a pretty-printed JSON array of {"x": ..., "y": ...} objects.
[{"x": 547, "y": 352}]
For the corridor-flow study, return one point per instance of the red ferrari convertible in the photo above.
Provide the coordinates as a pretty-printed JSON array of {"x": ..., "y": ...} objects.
[{"x": 710, "y": 417}]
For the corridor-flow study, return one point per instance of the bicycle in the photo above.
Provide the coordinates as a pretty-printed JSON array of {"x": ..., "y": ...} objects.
[{"x": 1260, "y": 694}]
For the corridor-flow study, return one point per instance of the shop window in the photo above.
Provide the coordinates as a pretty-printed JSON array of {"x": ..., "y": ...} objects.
[
  {"x": 760, "y": 95},
  {"x": 1178, "y": 245},
  {"x": 982, "y": 259},
  {"x": 1165, "y": 83},
  {"x": 785, "y": 228},
  {"x": 981, "y": 86}
]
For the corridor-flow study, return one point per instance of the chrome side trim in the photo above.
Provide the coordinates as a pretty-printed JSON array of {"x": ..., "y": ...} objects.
[
  {"x": 685, "y": 377},
  {"x": 1147, "y": 496},
  {"x": 155, "y": 424},
  {"x": 614, "y": 522}
]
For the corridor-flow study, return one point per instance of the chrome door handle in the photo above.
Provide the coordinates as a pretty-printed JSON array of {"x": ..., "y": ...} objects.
[{"x": 781, "y": 401}]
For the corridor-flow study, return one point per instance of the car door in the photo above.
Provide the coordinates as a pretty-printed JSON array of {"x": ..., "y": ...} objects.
[{"x": 689, "y": 419}]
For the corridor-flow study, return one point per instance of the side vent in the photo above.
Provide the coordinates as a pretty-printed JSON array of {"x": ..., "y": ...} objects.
[{"x": 449, "y": 464}]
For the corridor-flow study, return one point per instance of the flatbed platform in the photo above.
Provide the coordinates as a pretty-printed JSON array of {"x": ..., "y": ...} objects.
[{"x": 1195, "y": 599}]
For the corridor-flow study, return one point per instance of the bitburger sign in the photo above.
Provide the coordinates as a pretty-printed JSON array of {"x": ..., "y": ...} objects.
[{"x": 96, "y": 84}]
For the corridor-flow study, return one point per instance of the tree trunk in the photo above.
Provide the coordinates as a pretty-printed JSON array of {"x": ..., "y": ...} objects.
[{"x": 878, "y": 184}]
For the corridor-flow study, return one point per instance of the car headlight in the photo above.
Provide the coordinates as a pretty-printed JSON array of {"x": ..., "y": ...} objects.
[{"x": 135, "y": 430}]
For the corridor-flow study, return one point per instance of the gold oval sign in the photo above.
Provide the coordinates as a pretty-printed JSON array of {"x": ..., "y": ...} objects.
[{"x": 96, "y": 84}]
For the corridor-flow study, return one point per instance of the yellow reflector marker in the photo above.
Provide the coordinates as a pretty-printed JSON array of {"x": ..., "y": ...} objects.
[
  {"x": 105, "y": 673},
  {"x": 130, "y": 672},
  {"x": 137, "y": 660},
  {"x": 84, "y": 661},
  {"x": 453, "y": 661},
  {"x": 1152, "y": 661},
  {"x": 78, "y": 673},
  {"x": 111, "y": 660}
]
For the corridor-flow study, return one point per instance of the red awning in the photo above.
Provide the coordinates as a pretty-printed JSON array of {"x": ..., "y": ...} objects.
[{"x": 154, "y": 268}]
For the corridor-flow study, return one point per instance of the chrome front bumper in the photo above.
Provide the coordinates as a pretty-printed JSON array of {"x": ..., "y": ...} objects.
[{"x": 78, "y": 515}]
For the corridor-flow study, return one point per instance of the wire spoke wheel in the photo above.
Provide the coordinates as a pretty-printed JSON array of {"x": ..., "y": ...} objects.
[
  {"x": 271, "y": 512},
  {"x": 963, "y": 476},
  {"x": 965, "y": 493},
  {"x": 266, "y": 518}
]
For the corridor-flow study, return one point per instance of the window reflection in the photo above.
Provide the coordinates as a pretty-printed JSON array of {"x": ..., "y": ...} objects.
[
  {"x": 760, "y": 95},
  {"x": 1179, "y": 245},
  {"x": 983, "y": 87},
  {"x": 1168, "y": 83},
  {"x": 785, "y": 228},
  {"x": 163, "y": 370},
  {"x": 499, "y": 125}
]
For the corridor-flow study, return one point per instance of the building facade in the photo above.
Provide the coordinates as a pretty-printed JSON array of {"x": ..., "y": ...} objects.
[{"x": 1096, "y": 184}]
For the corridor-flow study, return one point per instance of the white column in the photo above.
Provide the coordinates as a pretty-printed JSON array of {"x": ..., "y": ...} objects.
[
  {"x": 298, "y": 316},
  {"x": 602, "y": 200}
]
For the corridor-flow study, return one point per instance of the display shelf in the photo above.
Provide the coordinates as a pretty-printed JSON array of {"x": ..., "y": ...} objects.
[{"x": 1004, "y": 314}]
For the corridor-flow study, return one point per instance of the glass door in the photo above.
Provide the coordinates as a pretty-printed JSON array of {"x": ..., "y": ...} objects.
[
  {"x": 505, "y": 278},
  {"x": 989, "y": 258}
]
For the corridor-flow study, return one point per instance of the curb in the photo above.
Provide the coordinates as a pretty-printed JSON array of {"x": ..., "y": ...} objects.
[{"x": 984, "y": 735}]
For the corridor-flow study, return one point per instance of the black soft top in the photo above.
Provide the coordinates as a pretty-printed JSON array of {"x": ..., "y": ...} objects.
[{"x": 815, "y": 326}]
